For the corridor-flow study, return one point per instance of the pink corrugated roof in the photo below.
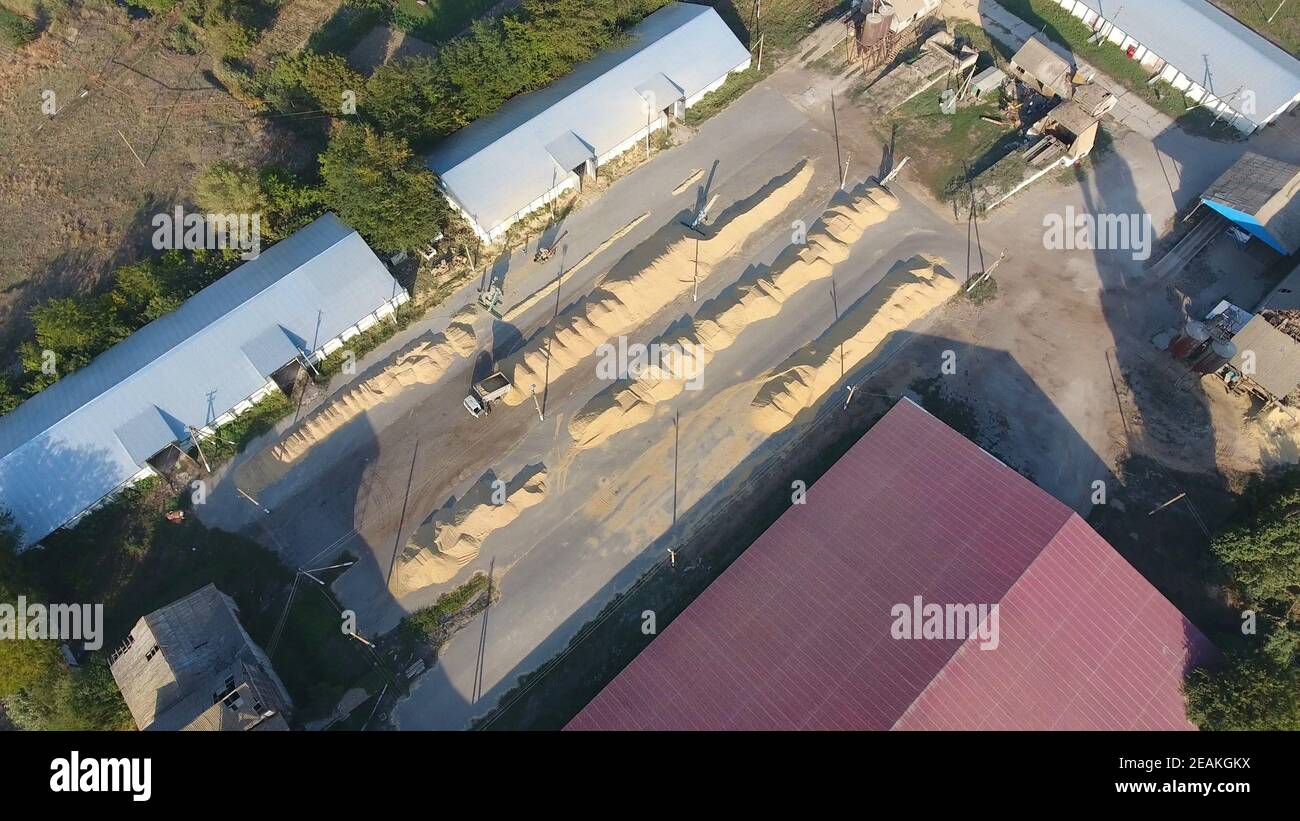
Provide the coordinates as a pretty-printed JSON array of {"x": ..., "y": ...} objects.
[{"x": 796, "y": 633}]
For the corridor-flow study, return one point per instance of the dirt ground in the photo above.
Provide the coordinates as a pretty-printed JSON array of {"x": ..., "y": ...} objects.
[{"x": 135, "y": 124}]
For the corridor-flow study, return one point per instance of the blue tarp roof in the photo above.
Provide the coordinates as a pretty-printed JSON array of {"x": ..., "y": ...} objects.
[
  {"x": 497, "y": 166},
  {"x": 73, "y": 443}
]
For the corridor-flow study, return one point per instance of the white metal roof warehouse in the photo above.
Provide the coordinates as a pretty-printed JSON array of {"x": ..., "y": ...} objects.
[
  {"x": 502, "y": 167},
  {"x": 93, "y": 431},
  {"x": 1202, "y": 51}
]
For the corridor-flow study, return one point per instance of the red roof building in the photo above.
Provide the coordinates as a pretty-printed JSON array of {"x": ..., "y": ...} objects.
[{"x": 799, "y": 632}]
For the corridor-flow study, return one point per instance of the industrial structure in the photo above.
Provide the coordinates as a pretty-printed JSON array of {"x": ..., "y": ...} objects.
[
  {"x": 503, "y": 167},
  {"x": 802, "y": 631},
  {"x": 72, "y": 446},
  {"x": 1201, "y": 51},
  {"x": 1261, "y": 196},
  {"x": 879, "y": 31},
  {"x": 192, "y": 666},
  {"x": 1039, "y": 66}
]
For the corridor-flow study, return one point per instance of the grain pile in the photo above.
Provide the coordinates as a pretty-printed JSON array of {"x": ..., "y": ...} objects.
[
  {"x": 718, "y": 324},
  {"x": 446, "y": 542},
  {"x": 621, "y": 304},
  {"x": 422, "y": 363},
  {"x": 908, "y": 292}
]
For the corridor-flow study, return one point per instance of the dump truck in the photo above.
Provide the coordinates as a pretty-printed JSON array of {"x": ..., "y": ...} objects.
[{"x": 485, "y": 392}]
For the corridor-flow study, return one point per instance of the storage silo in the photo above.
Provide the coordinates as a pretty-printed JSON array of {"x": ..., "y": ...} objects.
[
  {"x": 874, "y": 27},
  {"x": 1215, "y": 356},
  {"x": 886, "y": 12},
  {"x": 1189, "y": 341}
]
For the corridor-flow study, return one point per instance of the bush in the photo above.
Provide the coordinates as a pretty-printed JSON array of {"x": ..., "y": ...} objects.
[
  {"x": 16, "y": 30},
  {"x": 379, "y": 187},
  {"x": 182, "y": 39}
]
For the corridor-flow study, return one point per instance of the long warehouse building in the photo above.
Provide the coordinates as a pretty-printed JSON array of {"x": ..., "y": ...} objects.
[
  {"x": 1202, "y": 51},
  {"x": 499, "y": 169},
  {"x": 81, "y": 440},
  {"x": 856, "y": 611}
]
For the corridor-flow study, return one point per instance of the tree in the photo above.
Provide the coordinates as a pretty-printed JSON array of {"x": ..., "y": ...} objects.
[
  {"x": 289, "y": 202},
  {"x": 1249, "y": 692},
  {"x": 229, "y": 187},
  {"x": 1263, "y": 551},
  {"x": 375, "y": 184},
  {"x": 70, "y": 328}
]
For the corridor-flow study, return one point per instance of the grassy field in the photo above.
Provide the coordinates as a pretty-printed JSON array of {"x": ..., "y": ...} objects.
[
  {"x": 938, "y": 143},
  {"x": 76, "y": 201},
  {"x": 128, "y": 556},
  {"x": 1285, "y": 28}
]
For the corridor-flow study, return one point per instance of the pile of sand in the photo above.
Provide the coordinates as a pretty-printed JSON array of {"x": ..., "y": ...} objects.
[
  {"x": 446, "y": 542},
  {"x": 717, "y": 325},
  {"x": 908, "y": 292},
  {"x": 423, "y": 362},
  {"x": 621, "y": 304}
]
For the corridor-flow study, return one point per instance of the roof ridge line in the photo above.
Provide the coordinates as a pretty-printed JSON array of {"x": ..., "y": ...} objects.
[
  {"x": 1057, "y": 532},
  {"x": 135, "y": 373}
]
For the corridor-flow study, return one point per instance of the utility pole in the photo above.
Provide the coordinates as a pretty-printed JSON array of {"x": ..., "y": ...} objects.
[
  {"x": 760, "y": 53},
  {"x": 194, "y": 437},
  {"x": 265, "y": 510},
  {"x": 1275, "y": 11},
  {"x": 695, "y": 277},
  {"x": 536, "y": 404},
  {"x": 845, "y": 178}
]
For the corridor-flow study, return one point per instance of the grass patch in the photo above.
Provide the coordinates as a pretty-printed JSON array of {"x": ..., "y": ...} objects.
[
  {"x": 938, "y": 143},
  {"x": 1059, "y": 25},
  {"x": 985, "y": 291},
  {"x": 128, "y": 556},
  {"x": 727, "y": 93},
  {"x": 437, "y": 20},
  {"x": 234, "y": 436},
  {"x": 1285, "y": 28},
  {"x": 366, "y": 341},
  {"x": 15, "y": 29},
  {"x": 425, "y": 624}
]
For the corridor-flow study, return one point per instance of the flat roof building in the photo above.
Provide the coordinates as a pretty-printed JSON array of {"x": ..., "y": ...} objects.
[
  {"x": 827, "y": 620},
  {"x": 502, "y": 167},
  {"x": 94, "y": 431},
  {"x": 192, "y": 666}
]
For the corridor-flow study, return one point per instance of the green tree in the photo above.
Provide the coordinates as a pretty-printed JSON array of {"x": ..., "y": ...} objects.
[
  {"x": 10, "y": 398},
  {"x": 1263, "y": 551},
  {"x": 229, "y": 187},
  {"x": 376, "y": 185},
  {"x": 1249, "y": 692},
  {"x": 288, "y": 202},
  {"x": 74, "y": 329}
]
